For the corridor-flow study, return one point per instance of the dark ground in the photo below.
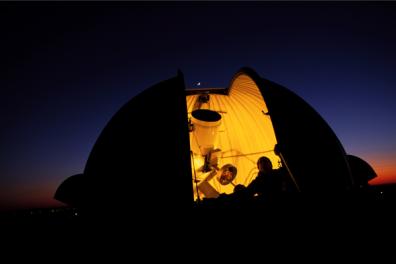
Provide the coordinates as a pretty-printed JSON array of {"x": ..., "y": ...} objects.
[{"x": 361, "y": 228}]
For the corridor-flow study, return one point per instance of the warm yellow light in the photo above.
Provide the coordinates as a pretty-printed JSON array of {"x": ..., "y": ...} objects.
[{"x": 245, "y": 133}]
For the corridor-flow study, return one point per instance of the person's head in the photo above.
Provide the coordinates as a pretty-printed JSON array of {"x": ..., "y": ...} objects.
[
  {"x": 264, "y": 164},
  {"x": 228, "y": 174}
]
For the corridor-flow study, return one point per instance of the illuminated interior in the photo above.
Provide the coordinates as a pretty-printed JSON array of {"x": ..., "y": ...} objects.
[{"x": 242, "y": 135}]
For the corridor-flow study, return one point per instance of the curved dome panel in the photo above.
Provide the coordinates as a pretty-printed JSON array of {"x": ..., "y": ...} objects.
[
  {"x": 310, "y": 148},
  {"x": 362, "y": 172},
  {"x": 72, "y": 191},
  {"x": 142, "y": 155}
]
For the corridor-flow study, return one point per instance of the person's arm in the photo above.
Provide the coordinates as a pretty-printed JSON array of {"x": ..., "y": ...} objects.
[
  {"x": 254, "y": 186},
  {"x": 210, "y": 175}
]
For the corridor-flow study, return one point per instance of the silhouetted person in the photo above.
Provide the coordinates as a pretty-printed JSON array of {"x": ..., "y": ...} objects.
[
  {"x": 210, "y": 187},
  {"x": 268, "y": 184}
]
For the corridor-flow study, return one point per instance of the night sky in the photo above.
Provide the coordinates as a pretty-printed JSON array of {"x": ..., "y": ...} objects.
[{"x": 67, "y": 68}]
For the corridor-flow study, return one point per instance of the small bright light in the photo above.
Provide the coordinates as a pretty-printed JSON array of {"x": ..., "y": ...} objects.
[
  {"x": 198, "y": 83},
  {"x": 75, "y": 214}
]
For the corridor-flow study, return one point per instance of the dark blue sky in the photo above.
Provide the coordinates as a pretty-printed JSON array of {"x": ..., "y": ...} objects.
[{"x": 67, "y": 68}]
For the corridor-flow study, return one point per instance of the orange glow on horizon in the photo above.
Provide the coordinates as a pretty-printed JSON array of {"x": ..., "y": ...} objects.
[
  {"x": 385, "y": 167},
  {"x": 385, "y": 176},
  {"x": 28, "y": 197}
]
